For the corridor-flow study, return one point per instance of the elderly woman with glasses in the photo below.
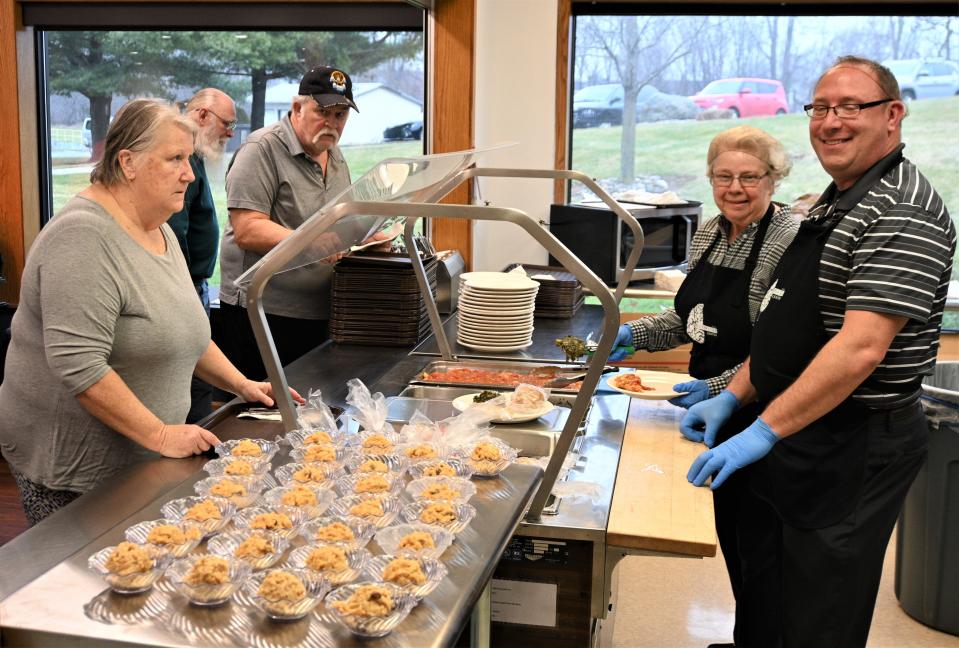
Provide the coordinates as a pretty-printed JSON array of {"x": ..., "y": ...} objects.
[
  {"x": 109, "y": 330},
  {"x": 731, "y": 262}
]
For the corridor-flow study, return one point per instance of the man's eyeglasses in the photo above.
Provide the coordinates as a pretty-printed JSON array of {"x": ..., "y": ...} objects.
[
  {"x": 229, "y": 125},
  {"x": 745, "y": 180},
  {"x": 842, "y": 111}
]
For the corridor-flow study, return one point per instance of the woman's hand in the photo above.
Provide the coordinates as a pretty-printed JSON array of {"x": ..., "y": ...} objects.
[
  {"x": 178, "y": 441},
  {"x": 262, "y": 392}
]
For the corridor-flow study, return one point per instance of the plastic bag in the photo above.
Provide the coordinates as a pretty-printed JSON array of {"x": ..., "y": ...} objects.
[
  {"x": 569, "y": 461},
  {"x": 421, "y": 429},
  {"x": 466, "y": 427},
  {"x": 315, "y": 414},
  {"x": 527, "y": 399},
  {"x": 369, "y": 410},
  {"x": 570, "y": 490}
]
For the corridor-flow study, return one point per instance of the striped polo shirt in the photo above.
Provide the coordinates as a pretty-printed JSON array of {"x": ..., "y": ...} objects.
[{"x": 891, "y": 252}]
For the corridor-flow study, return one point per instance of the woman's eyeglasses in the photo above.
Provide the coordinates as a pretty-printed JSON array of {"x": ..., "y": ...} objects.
[{"x": 745, "y": 179}]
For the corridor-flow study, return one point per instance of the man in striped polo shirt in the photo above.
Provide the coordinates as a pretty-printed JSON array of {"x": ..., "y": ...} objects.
[{"x": 848, "y": 328}]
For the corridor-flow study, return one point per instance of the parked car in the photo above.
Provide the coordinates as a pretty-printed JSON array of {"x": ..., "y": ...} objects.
[
  {"x": 744, "y": 97},
  {"x": 602, "y": 105},
  {"x": 925, "y": 78},
  {"x": 86, "y": 135},
  {"x": 408, "y": 131}
]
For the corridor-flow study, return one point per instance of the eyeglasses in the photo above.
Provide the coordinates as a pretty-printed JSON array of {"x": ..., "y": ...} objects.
[
  {"x": 745, "y": 180},
  {"x": 229, "y": 125},
  {"x": 842, "y": 111}
]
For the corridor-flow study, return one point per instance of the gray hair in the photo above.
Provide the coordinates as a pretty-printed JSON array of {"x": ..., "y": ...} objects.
[
  {"x": 204, "y": 98},
  {"x": 135, "y": 128},
  {"x": 755, "y": 142}
]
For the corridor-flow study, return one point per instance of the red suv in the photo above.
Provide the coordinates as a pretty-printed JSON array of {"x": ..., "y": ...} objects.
[{"x": 745, "y": 97}]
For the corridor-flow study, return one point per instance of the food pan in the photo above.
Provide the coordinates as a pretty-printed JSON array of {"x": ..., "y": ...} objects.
[{"x": 523, "y": 368}]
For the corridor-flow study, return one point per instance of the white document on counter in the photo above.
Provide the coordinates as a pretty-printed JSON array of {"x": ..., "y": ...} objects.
[{"x": 523, "y": 602}]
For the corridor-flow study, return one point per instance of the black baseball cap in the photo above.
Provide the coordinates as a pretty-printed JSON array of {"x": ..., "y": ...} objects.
[{"x": 329, "y": 87}]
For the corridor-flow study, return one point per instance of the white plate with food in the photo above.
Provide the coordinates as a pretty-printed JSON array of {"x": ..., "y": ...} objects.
[
  {"x": 504, "y": 414},
  {"x": 648, "y": 385}
]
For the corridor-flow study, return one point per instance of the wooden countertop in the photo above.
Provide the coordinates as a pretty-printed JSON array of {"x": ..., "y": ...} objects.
[{"x": 654, "y": 508}]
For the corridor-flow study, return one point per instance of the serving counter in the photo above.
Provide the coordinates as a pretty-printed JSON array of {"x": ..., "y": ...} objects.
[{"x": 552, "y": 578}]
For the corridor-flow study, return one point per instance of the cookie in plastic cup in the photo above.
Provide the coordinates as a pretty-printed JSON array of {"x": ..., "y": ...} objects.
[
  {"x": 425, "y": 451},
  {"x": 236, "y": 467},
  {"x": 260, "y": 549},
  {"x": 283, "y": 520},
  {"x": 301, "y": 438},
  {"x": 379, "y": 442},
  {"x": 259, "y": 450},
  {"x": 447, "y": 489},
  {"x": 339, "y": 565},
  {"x": 447, "y": 467},
  {"x": 488, "y": 457},
  {"x": 348, "y": 532},
  {"x": 209, "y": 513},
  {"x": 369, "y": 483},
  {"x": 308, "y": 474},
  {"x": 378, "y": 510},
  {"x": 418, "y": 576},
  {"x": 129, "y": 568},
  {"x": 166, "y": 536},
  {"x": 287, "y": 593},
  {"x": 242, "y": 491},
  {"x": 194, "y": 578},
  {"x": 452, "y": 516},
  {"x": 312, "y": 500},
  {"x": 413, "y": 539},
  {"x": 333, "y": 455},
  {"x": 378, "y": 463},
  {"x": 401, "y": 602}
]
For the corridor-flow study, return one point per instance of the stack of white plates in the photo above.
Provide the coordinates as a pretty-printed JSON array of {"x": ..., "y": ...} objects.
[{"x": 496, "y": 311}]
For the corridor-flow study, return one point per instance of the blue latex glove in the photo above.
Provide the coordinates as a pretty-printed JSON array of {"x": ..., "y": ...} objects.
[
  {"x": 697, "y": 390},
  {"x": 623, "y": 345},
  {"x": 704, "y": 419},
  {"x": 752, "y": 444}
]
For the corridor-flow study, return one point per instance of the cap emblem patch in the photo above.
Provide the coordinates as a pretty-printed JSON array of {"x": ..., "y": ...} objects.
[{"x": 338, "y": 81}]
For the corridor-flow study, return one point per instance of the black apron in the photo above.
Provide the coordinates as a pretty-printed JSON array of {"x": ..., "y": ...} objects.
[
  {"x": 713, "y": 303},
  {"x": 813, "y": 478}
]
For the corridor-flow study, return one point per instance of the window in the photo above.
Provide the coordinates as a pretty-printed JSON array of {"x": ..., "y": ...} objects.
[{"x": 690, "y": 70}]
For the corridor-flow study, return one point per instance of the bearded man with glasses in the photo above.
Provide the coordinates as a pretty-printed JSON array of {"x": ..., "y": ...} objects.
[{"x": 847, "y": 330}]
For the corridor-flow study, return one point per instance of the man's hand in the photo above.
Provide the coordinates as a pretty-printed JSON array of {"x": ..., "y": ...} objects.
[
  {"x": 703, "y": 420},
  {"x": 696, "y": 392},
  {"x": 750, "y": 445}
]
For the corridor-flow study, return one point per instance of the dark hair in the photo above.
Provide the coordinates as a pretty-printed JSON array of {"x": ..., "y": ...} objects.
[{"x": 882, "y": 75}]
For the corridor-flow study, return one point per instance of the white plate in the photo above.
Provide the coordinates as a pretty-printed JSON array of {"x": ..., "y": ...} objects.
[
  {"x": 661, "y": 382},
  {"x": 497, "y": 303},
  {"x": 496, "y": 312},
  {"x": 518, "y": 334},
  {"x": 498, "y": 281},
  {"x": 495, "y": 341},
  {"x": 495, "y": 349},
  {"x": 464, "y": 402}
]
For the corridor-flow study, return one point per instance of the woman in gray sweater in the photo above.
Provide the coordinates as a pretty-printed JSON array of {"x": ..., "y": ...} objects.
[{"x": 109, "y": 331}]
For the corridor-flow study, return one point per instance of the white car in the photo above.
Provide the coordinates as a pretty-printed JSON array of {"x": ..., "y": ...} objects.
[
  {"x": 925, "y": 78},
  {"x": 86, "y": 135}
]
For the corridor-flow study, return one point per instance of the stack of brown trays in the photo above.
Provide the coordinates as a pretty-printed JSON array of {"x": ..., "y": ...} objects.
[
  {"x": 376, "y": 300},
  {"x": 560, "y": 293}
]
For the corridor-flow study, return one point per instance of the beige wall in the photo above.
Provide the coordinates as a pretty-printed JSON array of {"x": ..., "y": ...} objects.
[{"x": 514, "y": 102}]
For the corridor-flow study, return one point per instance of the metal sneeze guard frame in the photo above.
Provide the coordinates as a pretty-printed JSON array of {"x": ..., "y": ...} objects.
[{"x": 326, "y": 217}]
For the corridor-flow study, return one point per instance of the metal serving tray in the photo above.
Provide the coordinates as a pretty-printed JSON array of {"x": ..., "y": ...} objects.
[{"x": 493, "y": 365}]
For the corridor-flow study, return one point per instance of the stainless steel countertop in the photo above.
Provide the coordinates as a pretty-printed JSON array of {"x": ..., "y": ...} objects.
[{"x": 98, "y": 519}]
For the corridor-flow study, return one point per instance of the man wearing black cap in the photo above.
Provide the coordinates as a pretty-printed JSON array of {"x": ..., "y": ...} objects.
[{"x": 280, "y": 176}]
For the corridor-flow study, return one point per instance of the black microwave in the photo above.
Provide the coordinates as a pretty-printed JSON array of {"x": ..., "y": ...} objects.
[{"x": 601, "y": 241}]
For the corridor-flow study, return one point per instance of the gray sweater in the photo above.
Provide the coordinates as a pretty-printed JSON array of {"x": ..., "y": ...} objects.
[{"x": 92, "y": 299}]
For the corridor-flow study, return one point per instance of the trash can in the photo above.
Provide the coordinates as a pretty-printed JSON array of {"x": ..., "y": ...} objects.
[{"x": 927, "y": 563}]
